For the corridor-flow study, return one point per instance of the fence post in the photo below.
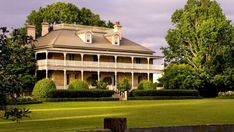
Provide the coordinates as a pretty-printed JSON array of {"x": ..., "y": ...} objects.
[{"x": 116, "y": 124}]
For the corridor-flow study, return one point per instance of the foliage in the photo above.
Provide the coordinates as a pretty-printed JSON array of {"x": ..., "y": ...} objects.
[
  {"x": 80, "y": 93},
  {"x": 226, "y": 94},
  {"x": 16, "y": 114},
  {"x": 78, "y": 85},
  {"x": 107, "y": 80},
  {"x": 17, "y": 63},
  {"x": 180, "y": 76},
  {"x": 165, "y": 92},
  {"x": 43, "y": 87},
  {"x": 157, "y": 84},
  {"x": 203, "y": 38},
  {"x": 102, "y": 85},
  {"x": 146, "y": 85},
  {"x": 123, "y": 86},
  {"x": 66, "y": 13},
  {"x": 23, "y": 100}
]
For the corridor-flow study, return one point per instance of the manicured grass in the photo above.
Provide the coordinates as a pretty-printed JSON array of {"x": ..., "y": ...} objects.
[{"x": 72, "y": 116}]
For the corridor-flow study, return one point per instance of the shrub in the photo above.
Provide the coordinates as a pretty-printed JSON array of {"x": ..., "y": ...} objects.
[
  {"x": 23, "y": 100},
  {"x": 180, "y": 76},
  {"x": 43, "y": 87},
  {"x": 80, "y": 93},
  {"x": 78, "y": 85},
  {"x": 123, "y": 86},
  {"x": 178, "y": 92},
  {"x": 145, "y": 85},
  {"x": 2, "y": 101},
  {"x": 101, "y": 85},
  {"x": 226, "y": 94}
]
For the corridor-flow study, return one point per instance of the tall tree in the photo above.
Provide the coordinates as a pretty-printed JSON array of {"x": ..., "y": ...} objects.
[
  {"x": 17, "y": 64},
  {"x": 203, "y": 38},
  {"x": 66, "y": 13}
]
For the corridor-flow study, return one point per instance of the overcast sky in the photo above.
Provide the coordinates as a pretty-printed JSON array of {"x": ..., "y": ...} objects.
[{"x": 143, "y": 21}]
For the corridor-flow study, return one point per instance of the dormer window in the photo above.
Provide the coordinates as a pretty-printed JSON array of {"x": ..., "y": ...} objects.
[
  {"x": 116, "y": 40},
  {"x": 85, "y": 36},
  {"x": 88, "y": 38}
]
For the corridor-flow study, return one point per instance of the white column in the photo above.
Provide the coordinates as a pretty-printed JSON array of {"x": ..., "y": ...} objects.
[
  {"x": 82, "y": 75},
  {"x": 132, "y": 80},
  {"x": 46, "y": 64},
  {"x": 132, "y": 62},
  {"x": 98, "y": 75},
  {"x": 65, "y": 59},
  {"x": 116, "y": 80},
  {"x": 148, "y": 60},
  {"x": 98, "y": 60},
  {"x": 115, "y": 61},
  {"x": 148, "y": 74},
  {"x": 65, "y": 79},
  {"x": 82, "y": 59}
]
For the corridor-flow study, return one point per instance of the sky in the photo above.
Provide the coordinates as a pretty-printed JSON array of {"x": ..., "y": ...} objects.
[{"x": 143, "y": 21}]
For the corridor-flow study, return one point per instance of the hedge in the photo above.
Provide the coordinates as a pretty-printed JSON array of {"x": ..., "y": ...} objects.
[
  {"x": 80, "y": 93},
  {"x": 165, "y": 92},
  {"x": 78, "y": 85},
  {"x": 163, "y": 97},
  {"x": 80, "y": 99},
  {"x": 146, "y": 85}
]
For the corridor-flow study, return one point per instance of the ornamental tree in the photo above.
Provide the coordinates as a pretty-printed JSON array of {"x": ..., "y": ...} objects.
[{"x": 203, "y": 38}]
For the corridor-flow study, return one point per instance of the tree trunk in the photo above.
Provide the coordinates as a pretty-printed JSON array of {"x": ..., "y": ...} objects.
[{"x": 116, "y": 124}]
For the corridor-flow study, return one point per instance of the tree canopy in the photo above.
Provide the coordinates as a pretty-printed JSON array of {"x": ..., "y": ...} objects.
[
  {"x": 17, "y": 63},
  {"x": 66, "y": 13},
  {"x": 203, "y": 38}
]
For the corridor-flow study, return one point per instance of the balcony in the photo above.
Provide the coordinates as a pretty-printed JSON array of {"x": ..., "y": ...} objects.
[{"x": 109, "y": 66}]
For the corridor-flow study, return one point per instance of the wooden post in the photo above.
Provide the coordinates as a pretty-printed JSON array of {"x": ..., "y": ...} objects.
[{"x": 116, "y": 124}]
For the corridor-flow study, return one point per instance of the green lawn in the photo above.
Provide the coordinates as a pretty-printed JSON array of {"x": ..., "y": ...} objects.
[{"x": 70, "y": 116}]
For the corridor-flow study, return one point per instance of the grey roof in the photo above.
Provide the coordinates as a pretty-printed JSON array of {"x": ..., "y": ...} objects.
[{"x": 67, "y": 38}]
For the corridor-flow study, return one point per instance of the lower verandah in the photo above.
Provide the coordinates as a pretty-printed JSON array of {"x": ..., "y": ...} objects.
[{"x": 63, "y": 78}]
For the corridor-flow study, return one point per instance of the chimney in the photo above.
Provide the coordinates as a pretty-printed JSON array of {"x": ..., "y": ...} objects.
[
  {"x": 31, "y": 31},
  {"x": 118, "y": 29},
  {"x": 44, "y": 28}
]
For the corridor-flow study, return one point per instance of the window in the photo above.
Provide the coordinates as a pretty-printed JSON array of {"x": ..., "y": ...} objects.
[
  {"x": 95, "y": 58},
  {"x": 88, "y": 38},
  {"x": 116, "y": 40},
  {"x": 68, "y": 79},
  {"x": 71, "y": 57},
  {"x": 138, "y": 60},
  {"x": 76, "y": 75}
]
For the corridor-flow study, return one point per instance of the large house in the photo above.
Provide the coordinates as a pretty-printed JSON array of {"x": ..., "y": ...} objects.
[{"x": 89, "y": 53}]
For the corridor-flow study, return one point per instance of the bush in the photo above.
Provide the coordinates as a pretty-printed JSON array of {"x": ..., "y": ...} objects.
[
  {"x": 23, "y": 100},
  {"x": 180, "y": 76},
  {"x": 123, "y": 86},
  {"x": 78, "y": 85},
  {"x": 101, "y": 85},
  {"x": 226, "y": 94},
  {"x": 145, "y": 85},
  {"x": 136, "y": 93},
  {"x": 80, "y": 93},
  {"x": 43, "y": 87}
]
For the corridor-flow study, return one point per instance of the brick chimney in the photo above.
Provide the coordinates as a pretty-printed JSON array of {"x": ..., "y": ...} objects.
[
  {"x": 31, "y": 31},
  {"x": 44, "y": 28},
  {"x": 118, "y": 29}
]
